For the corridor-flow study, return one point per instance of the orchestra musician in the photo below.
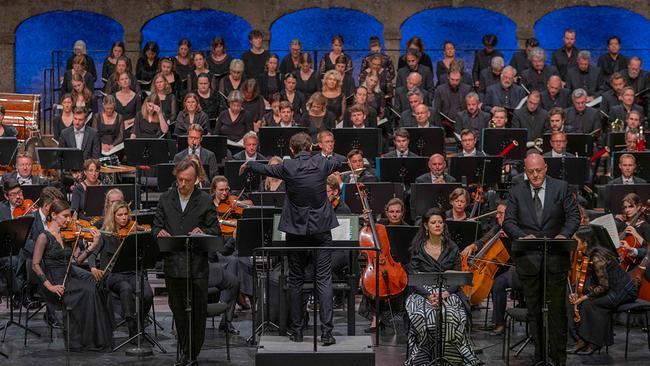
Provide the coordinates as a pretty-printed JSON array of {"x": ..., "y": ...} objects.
[
  {"x": 23, "y": 173},
  {"x": 271, "y": 184},
  {"x": 627, "y": 165},
  {"x": 251, "y": 143},
  {"x": 556, "y": 119},
  {"x": 13, "y": 198},
  {"x": 543, "y": 207},
  {"x": 326, "y": 144},
  {"x": 90, "y": 177},
  {"x": 9, "y": 265},
  {"x": 437, "y": 165},
  {"x": 432, "y": 251},
  {"x": 640, "y": 229},
  {"x": 186, "y": 211},
  {"x": 459, "y": 200},
  {"x": 194, "y": 138},
  {"x": 401, "y": 140},
  {"x": 89, "y": 320},
  {"x": 609, "y": 287},
  {"x": 558, "y": 145},
  {"x": 357, "y": 161},
  {"x": 394, "y": 212},
  {"x": 307, "y": 219},
  {"x": 468, "y": 144},
  {"x": 116, "y": 223},
  {"x": 80, "y": 136},
  {"x": 333, "y": 190}
]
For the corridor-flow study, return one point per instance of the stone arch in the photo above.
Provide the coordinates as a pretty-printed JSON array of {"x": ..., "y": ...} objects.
[{"x": 38, "y": 36}]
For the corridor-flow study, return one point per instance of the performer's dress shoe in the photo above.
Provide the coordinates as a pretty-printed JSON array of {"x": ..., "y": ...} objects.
[
  {"x": 589, "y": 350},
  {"x": 53, "y": 323},
  {"x": 296, "y": 337},
  {"x": 498, "y": 330},
  {"x": 228, "y": 328},
  {"x": 372, "y": 329},
  {"x": 579, "y": 346},
  {"x": 327, "y": 339}
]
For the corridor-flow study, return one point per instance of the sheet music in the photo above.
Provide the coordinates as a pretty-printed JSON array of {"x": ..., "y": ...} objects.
[
  {"x": 342, "y": 232},
  {"x": 607, "y": 221},
  {"x": 339, "y": 125},
  {"x": 115, "y": 149},
  {"x": 595, "y": 102},
  {"x": 239, "y": 143},
  {"x": 522, "y": 102}
]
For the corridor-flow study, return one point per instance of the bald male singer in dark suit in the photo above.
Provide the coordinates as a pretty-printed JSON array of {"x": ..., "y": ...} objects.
[
  {"x": 307, "y": 219},
  {"x": 543, "y": 207}
]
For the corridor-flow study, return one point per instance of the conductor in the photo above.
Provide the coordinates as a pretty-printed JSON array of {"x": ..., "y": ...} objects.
[
  {"x": 543, "y": 208},
  {"x": 307, "y": 219}
]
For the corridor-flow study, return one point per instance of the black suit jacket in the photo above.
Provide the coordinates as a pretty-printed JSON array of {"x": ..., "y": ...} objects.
[
  {"x": 561, "y": 216},
  {"x": 242, "y": 156},
  {"x": 199, "y": 212},
  {"x": 562, "y": 99},
  {"x": 536, "y": 123},
  {"x": 393, "y": 154},
  {"x": 591, "y": 80},
  {"x": 36, "y": 180},
  {"x": 592, "y": 120},
  {"x": 90, "y": 144},
  {"x": 37, "y": 229},
  {"x": 426, "y": 178},
  {"x": 619, "y": 180},
  {"x": 307, "y": 210},
  {"x": 207, "y": 158},
  {"x": 5, "y": 211}
]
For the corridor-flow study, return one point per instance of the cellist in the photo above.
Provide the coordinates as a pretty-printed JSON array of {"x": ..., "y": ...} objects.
[{"x": 640, "y": 229}]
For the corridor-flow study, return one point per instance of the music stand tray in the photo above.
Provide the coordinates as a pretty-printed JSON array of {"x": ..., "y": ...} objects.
[
  {"x": 426, "y": 141},
  {"x": 427, "y": 195},
  {"x": 197, "y": 243},
  {"x": 573, "y": 169},
  {"x": 275, "y": 140},
  {"x": 400, "y": 237},
  {"x": 149, "y": 151},
  {"x": 252, "y": 234},
  {"x": 8, "y": 146},
  {"x": 496, "y": 139},
  {"x": 249, "y": 180},
  {"x": 274, "y": 199},
  {"x": 257, "y": 212},
  {"x": 401, "y": 170},
  {"x": 463, "y": 233},
  {"x": 366, "y": 139},
  {"x": 577, "y": 143},
  {"x": 215, "y": 143},
  {"x": 642, "y": 163},
  {"x": 476, "y": 169},
  {"x": 96, "y": 195},
  {"x": 379, "y": 193},
  {"x": 60, "y": 158}
]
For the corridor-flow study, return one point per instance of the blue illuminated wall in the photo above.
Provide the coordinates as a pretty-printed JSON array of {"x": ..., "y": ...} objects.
[
  {"x": 593, "y": 26},
  {"x": 315, "y": 28},
  {"x": 39, "y": 35},
  {"x": 465, "y": 27},
  {"x": 200, "y": 27}
]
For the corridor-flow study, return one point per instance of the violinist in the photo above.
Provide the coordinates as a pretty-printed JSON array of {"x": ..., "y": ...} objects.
[
  {"x": 609, "y": 288},
  {"x": 123, "y": 284},
  {"x": 114, "y": 195},
  {"x": 333, "y": 190},
  {"x": 90, "y": 177},
  {"x": 639, "y": 229},
  {"x": 10, "y": 264},
  {"x": 14, "y": 198},
  {"x": 220, "y": 190},
  {"x": 394, "y": 212},
  {"x": 89, "y": 319},
  {"x": 271, "y": 184},
  {"x": 459, "y": 200},
  {"x": 432, "y": 251},
  {"x": 23, "y": 173}
]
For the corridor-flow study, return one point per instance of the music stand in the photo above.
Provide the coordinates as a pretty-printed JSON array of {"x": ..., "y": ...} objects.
[
  {"x": 366, "y": 139},
  {"x": 257, "y": 212},
  {"x": 573, "y": 169},
  {"x": 8, "y": 147},
  {"x": 496, "y": 139},
  {"x": 273, "y": 199},
  {"x": 189, "y": 245},
  {"x": 138, "y": 252},
  {"x": 13, "y": 234},
  {"x": 546, "y": 246},
  {"x": 642, "y": 163},
  {"x": 248, "y": 181},
  {"x": 604, "y": 239},
  {"x": 476, "y": 169},
  {"x": 463, "y": 233},
  {"x": 427, "y": 195},
  {"x": 577, "y": 143},
  {"x": 379, "y": 193},
  {"x": 400, "y": 237},
  {"x": 60, "y": 158},
  {"x": 147, "y": 152},
  {"x": 275, "y": 141},
  {"x": 215, "y": 143},
  {"x": 614, "y": 194},
  {"x": 95, "y": 197},
  {"x": 401, "y": 170},
  {"x": 616, "y": 140},
  {"x": 426, "y": 141}
]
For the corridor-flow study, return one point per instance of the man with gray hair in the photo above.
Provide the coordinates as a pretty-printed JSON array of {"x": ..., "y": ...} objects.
[
  {"x": 585, "y": 76},
  {"x": 505, "y": 94},
  {"x": 491, "y": 75},
  {"x": 580, "y": 118},
  {"x": 413, "y": 82},
  {"x": 472, "y": 118},
  {"x": 536, "y": 76}
]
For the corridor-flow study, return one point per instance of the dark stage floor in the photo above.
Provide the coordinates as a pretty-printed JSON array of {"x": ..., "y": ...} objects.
[{"x": 391, "y": 351}]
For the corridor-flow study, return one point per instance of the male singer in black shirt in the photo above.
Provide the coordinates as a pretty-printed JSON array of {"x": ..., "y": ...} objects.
[{"x": 307, "y": 219}]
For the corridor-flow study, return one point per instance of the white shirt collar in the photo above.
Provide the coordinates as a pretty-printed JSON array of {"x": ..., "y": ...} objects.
[
  {"x": 471, "y": 153},
  {"x": 556, "y": 155}
]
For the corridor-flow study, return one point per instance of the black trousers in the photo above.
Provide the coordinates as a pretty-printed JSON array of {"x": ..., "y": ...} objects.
[
  {"x": 177, "y": 288},
  {"x": 124, "y": 285},
  {"x": 505, "y": 280},
  {"x": 226, "y": 281},
  {"x": 297, "y": 264},
  {"x": 557, "y": 320}
]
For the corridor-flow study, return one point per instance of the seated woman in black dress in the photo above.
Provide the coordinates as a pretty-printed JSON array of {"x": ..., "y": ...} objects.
[
  {"x": 109, "y": 125},
  {"x": 375, "y": 97},
  {"x": 147, "y": 65},
  {"x": 332, "y": 90},
  {"x": 167, "y": 68},
  {"x": 432, "y": 251},
  {"x": 270, "y": 81},
  {"x": 272, "y": 117},
  {"x": 235, "y": 78},
  {"x": 361, "y": 99},
  {"x": 110, "y": 62},
  {"x": 459, "y": 200},
  {"x": 190, "y": 114},
  {"x": 328, "y": 61},
  {"x": 209, "y": 99},
  {"x": 183, "y": 60},
  {"x": 270, "y": 184},
  {"x": 64, "y": 119},
  {"x": 200, "y": 67},
  {"x": 79, "y": 67},
  {"x": 234, "y": 122},
  {"x": 218, "y": 60},
  {"x": 123, "y": 64},
  {"x": 609, "y": 287},
  {"x": 150, "y": 121},
  {"x": 160, "y": 86},
  {"x": 443, "y": 66},
  {"x": 6, "y": 130},
  {"x": 82, "y": 96},
  {"x": 127, "y": 101},
  {"x": 293, "y": 96},
  {"x": 123, "y": 284},
  {"x": 253, "y": 102},
  {"x": 347, "y": 82},
  {"x": 90, "y": 327},
  {"x": 89, "y": 177},
  {"x": 375, "y": 66},
  {"x": 307, "y": 79},
  {"x": 318, "y": 117}
]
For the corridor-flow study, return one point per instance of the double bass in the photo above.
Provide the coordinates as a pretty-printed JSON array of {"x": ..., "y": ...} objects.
[{"x": 390, "y": 274}]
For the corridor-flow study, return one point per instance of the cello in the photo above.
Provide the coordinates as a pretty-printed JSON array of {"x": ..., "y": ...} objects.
[
  {"x": 639, "y": 279},
  {"x": 390, "y": 274},
  {"x": 628, "y": 261},
  {"x": 484, "y": 266}
]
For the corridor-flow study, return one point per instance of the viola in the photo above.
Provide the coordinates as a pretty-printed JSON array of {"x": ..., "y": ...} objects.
[
  {"x": 484, "y": 266},
  {"x": 390, "y": 274},
  {"x": 628, "y": 261},
  {"x": 25, "y": 208}
]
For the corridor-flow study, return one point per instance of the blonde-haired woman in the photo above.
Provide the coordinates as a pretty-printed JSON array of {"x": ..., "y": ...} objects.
[{"x": 332, "y": 91}]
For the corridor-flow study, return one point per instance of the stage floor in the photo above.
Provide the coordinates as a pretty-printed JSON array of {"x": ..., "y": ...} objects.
[{"x": 390, "y": 352}]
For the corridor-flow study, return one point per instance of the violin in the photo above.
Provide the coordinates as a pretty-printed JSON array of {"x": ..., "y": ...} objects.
[
  {"x": 128, "y": 229},
  {"x": 628, "y": 261},
  {"x": 25, "y": 208},
  {"x": 335, "y": 202},
  {"x": 77, "y": 229},
  {"x": 484, "y": 266},
  {"x": 229, "y": 211},
  {"x": 390, "y": 274}
]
